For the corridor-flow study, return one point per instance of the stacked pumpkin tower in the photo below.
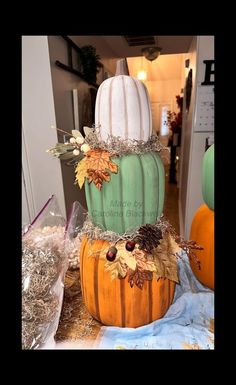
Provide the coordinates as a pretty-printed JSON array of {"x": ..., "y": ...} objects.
[
  {"x": 128, "y": 253},
  {"x": 128, "y": 256},
  {"x": 132, "y": 198}
]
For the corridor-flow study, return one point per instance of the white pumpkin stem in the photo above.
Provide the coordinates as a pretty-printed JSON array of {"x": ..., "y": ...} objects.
[{"x": 122, "y": 67}]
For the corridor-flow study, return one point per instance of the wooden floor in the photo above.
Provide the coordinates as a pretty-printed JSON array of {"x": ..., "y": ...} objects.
[
  {"x": 171, "y": 209},
  {"x": 76, "y": 324}
]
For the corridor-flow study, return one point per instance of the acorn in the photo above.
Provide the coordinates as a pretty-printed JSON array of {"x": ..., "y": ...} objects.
[
  {"x": 130, "y": 245},
  {"x": 111, "y": 254}
]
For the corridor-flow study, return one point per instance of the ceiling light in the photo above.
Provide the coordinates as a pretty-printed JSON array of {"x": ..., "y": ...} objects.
[
  {"x": 151, "y": 53},
  {"x": 142, "y": 75}
]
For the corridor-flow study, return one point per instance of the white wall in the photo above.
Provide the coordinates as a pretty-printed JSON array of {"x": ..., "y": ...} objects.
[
  {"x": 193, "y": 141},
  {"x": 42, "y": 173},
  {"x": 186, "y": 139},
  {"x": 110, "y": 66},
  {"x": 25, "y": 208},
  {"x": 63, "y": 83},
  {"x": 164, "y": 81}
]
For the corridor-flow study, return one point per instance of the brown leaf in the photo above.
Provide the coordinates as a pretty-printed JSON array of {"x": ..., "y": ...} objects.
[
  {"x": 126, "y": 256},
  {"x": 138, "y": 277},
  {"x": 97, "y": 177},
  {"x": 117, "y": 268},
  {"x": 165, "y": 261},
  {"x": 176, "y": 249},
  {"x": 131, "y": 274},
  {"x": 134, "y": 277},
  {"x": 146, "y": 275},
  {"x": 138, "y": 280},
  {"x": 142, "y": 262},
  {"x": 98, "y": 165}
]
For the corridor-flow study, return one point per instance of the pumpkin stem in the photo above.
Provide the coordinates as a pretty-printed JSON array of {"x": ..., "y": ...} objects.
[{"x": 122, "y": 67}]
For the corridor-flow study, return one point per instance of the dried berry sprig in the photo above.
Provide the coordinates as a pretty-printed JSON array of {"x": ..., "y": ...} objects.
[
  {"x": 188, "y": 247},
  {"x": 73, "y": 150}
]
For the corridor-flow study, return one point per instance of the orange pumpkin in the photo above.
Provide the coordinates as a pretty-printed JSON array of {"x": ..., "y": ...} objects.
[
  {"x": 202, "y": 231},
  {"x": 114, "y": 302}
]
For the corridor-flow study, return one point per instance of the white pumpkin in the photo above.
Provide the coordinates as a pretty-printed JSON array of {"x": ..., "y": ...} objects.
[{"x": 123, "y": 108}]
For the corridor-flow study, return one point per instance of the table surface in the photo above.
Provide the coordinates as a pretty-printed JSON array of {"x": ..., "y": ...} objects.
[
  {"x": 75, "y": 321},
  {"x": 77, "y": 324}
]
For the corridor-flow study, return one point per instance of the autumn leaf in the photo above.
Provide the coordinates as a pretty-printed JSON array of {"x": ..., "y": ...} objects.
[
  {"x": 98, "y": 177},
  {"x": 176, "y": 249},
  {"x": 147, "y": 275},
  {"x": 81, "y": 172},
  {"x": 138, "y": 277},
  {"x": 132, "y": 278},
  {"x": 126, "y": 256},
  {"x": 165, "y": 261},
  {"x": 142, "y": 262},
  {"x": 130, "y": 261},
  {"x": 117, "y": 268},
  {"x": 98, "y": 166},
  {"x": 100, "y": 160}
]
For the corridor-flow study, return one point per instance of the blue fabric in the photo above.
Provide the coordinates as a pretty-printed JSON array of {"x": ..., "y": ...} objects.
[{"x": 184, "y": 326}]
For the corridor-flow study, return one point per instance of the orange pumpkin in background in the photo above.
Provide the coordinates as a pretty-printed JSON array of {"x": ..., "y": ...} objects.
[
  {"x": 114, "y": 302},
  {"x": 202, "y": 231}
]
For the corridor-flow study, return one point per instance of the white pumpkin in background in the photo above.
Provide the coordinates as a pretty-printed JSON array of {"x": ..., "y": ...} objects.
[{"x": 123, "y": 107}]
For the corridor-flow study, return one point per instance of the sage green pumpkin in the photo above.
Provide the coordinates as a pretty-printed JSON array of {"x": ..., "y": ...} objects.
[
  {"x": 208, "y": 177},
  {"x": 133, "y": 197}
]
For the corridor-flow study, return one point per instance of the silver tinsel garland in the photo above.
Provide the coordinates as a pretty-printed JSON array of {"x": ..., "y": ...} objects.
[
  {"x": 96, "y": 233},
  {"x": 41, "y": 267},
  {"x": 122, "y": 146}
]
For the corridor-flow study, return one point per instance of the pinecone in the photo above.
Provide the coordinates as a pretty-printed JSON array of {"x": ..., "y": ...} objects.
[{"x": 148, "y": 237}]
